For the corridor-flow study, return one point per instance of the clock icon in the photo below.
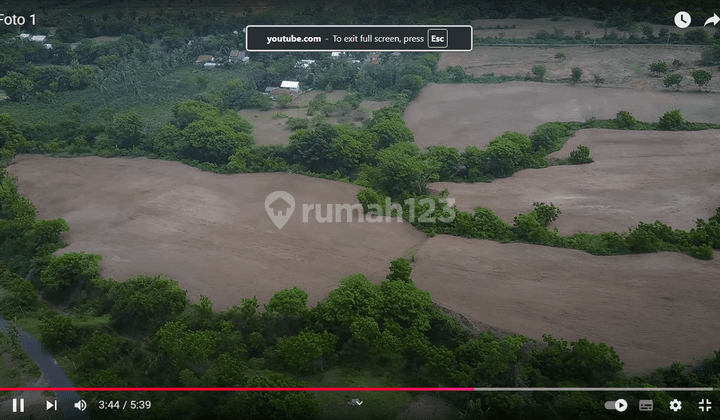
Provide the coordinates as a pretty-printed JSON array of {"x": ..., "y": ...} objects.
[{"x": 682, "y": 19}]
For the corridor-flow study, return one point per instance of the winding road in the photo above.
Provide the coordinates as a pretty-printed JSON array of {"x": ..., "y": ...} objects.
[{"x": 51, "y": 372}]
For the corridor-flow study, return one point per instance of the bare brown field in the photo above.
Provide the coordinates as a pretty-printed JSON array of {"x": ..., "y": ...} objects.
[
  {"x": 209, "y": 232},
  {"x": 637, "y": 176},
  {"x": 614, "y": 64},
  {"x": 654, "y": 309},
  {"x": 267, "y": 130},
  {"x": 528, "y": 27},
  {"x": 473, "y": 114}
]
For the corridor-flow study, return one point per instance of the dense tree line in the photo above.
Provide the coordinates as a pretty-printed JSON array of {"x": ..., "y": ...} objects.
[
  {"x": 631, "y": 33},
  {"x": 155, "y": 26}
]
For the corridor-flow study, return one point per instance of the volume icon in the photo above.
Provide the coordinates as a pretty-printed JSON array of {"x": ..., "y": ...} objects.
[{"x": 81, "y": 405}]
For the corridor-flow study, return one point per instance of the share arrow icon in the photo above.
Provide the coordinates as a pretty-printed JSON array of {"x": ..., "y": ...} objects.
[{"x": 714, "y": 20}]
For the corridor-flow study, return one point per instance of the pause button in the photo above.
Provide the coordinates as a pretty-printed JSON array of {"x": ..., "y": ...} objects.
[{"x": 18, "y": 405}]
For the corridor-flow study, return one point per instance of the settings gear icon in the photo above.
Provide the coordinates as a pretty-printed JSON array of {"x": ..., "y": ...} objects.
[{"x": 675, "y": 405}]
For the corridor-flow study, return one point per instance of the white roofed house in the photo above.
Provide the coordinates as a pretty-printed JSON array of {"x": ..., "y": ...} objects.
[
  {"x": 290, "y": 84},
  {"x": 38, "y": 38},
  {"x": 304, "y": 63}
]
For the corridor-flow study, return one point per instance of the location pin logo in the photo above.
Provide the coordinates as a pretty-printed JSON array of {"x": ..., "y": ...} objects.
[{"x": 279, "y": 206}]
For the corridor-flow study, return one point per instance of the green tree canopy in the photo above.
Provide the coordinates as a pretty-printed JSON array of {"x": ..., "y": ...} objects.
[
  {"x": 226, "y": 371},
  {"x": 19, "y": 296},
  {"x": 185, "y": 112},
  {"x": 447, "y": 159},
  {"x": 276, "y": 405},
  {"x": 166, "y": 142},
  {"x": 213, "y": 141},
  {"x": 57, "y": 331},
  {"x": 403, "y": 169},
  {"x": 17, "y": 86},
  {"x": 70, "y": 269},
  {"x": 184, "y": 346},
  {"x": 400, "y": 269},
  {"x": 701, "y": 77},
  {"x": 143, "y": 303},
  {"x": 365, "y": 329},
  {"x": 10, "y": 132},
  {"x": 405, "y": 304},
  {"x": 506, "y": 155},
  {"x": 301, "y": 351},
  {"x": 328, "y": 148},
  {"x": 128, "y": 128},
  {"x": 356, "y": 297},
  {"x": 288, "y": 303},
  {"x": 579, "y": 363},
  {"x": 391, "y": 131},
  {"x": 239, "y": 94}
]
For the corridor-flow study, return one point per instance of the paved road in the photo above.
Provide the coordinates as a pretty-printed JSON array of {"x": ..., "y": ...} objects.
[{"x": 51, "y": 372}]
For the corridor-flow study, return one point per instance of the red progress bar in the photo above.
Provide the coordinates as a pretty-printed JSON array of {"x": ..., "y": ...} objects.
[{"x": 235, "y": 389}]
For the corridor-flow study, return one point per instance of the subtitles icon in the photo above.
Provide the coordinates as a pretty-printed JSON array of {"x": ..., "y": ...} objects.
[{"x": 646, "y": 405}]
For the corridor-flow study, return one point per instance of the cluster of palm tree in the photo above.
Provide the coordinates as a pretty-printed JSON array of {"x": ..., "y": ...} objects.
[
  {"x": 139, "y": 71},
  {"x": 135, "y": 73}
]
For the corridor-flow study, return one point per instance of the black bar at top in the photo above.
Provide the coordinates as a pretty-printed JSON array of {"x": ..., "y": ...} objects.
[{"x": 412, "y": 38}]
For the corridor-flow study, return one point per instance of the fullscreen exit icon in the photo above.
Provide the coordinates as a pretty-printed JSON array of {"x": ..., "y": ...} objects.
[{"x": 705, "y": 405}]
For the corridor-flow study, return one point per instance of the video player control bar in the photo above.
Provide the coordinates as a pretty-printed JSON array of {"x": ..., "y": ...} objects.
[{"x": 377, "y": 38}]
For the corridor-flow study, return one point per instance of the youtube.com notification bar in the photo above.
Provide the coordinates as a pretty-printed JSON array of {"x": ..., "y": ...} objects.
[{"x": 327, "y": 38}]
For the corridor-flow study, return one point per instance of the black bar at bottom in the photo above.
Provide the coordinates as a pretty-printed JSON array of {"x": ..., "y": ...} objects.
[{"x": 409, "y": 38}]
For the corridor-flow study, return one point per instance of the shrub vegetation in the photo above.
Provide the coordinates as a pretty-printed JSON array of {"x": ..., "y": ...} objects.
[
  {"x": 539, "y": 71},
  {"x": 672, "y": 79},
  {"x": 576, "y": 74},
  {"x": 658, "y": 67}
]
